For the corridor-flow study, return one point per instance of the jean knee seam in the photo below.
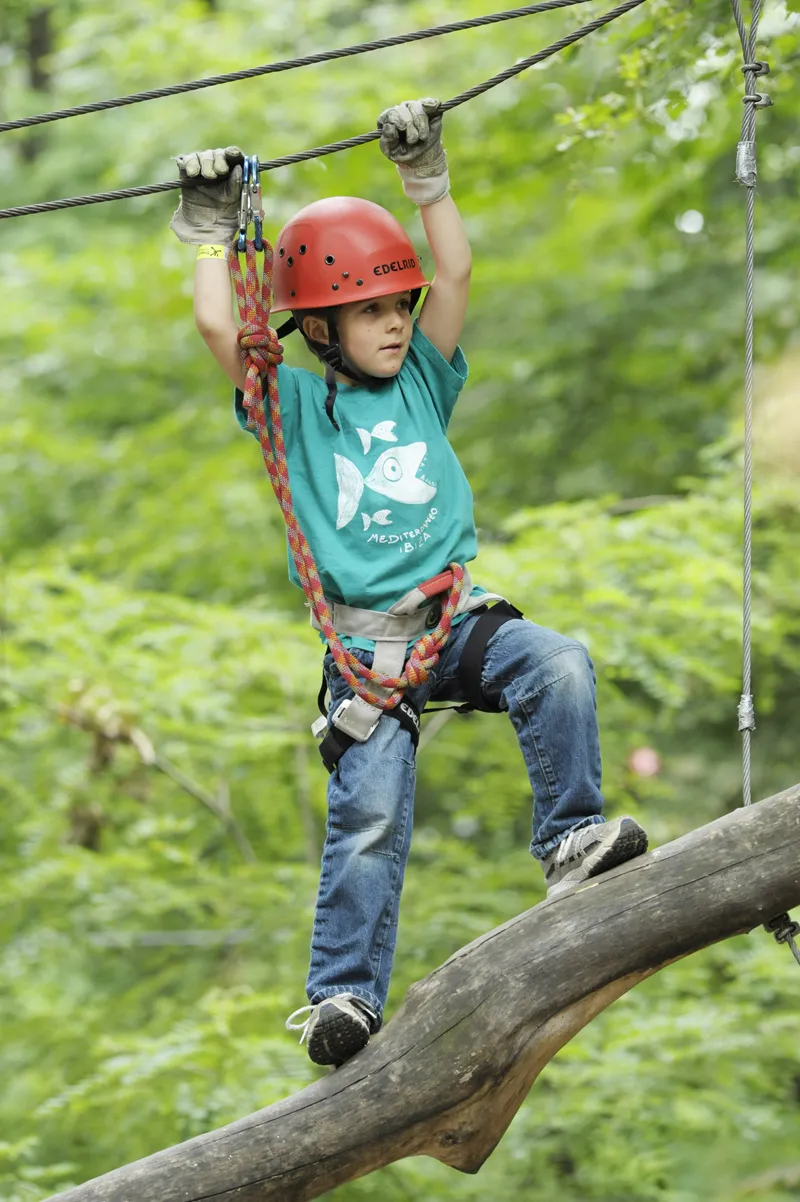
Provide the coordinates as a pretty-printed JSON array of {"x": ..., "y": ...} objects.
[
  {"x": 380, "y": 942},
  {"x": 544, "y": 762}
]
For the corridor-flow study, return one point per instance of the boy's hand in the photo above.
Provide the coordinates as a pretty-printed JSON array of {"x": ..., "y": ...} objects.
[
  {"x": 208, "y": 211},
  {"x": 411, "y": 136}
]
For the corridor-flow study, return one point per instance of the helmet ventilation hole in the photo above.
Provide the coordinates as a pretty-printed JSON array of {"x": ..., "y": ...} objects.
[
  {"x": 290, "y": 261},
  {"x": 303, "y": 249},
  {"x": 281, "y": 253},
  {"x": 335, "y": 287},
  {"x": 345, "y": 275},
  {"x": 359, "y": 283},
  {"x": 329, "y": 259}
]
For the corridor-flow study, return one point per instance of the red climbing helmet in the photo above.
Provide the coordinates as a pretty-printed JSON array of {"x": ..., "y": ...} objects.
[{"x": 339, "y": 250}]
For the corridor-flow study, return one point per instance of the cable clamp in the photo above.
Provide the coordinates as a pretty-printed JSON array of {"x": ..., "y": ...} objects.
[
  {"x": 756, "y": 68},
  {"x": 746, "y": 164},
  {"x": 759, "y": 100},
  {"x": 785, "y": 929},
  {"x": 747, "y": 713}
]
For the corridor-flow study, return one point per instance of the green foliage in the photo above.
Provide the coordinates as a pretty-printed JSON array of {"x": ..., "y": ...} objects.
[{"x": 163, "y": 805}]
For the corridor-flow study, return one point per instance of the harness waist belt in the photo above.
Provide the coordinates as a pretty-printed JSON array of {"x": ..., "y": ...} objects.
[{"x": 409, "y": 618}]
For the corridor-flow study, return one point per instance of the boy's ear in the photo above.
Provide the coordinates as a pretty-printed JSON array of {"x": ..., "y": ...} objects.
[{"x": 316, "y": 328}]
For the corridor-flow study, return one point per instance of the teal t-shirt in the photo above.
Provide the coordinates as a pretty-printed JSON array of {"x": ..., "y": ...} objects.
[{"x": 383, "y": 501}]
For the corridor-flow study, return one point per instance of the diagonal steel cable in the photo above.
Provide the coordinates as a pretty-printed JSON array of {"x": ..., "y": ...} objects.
[
  {"x": 49, "y": 206},
  {"x": 323, "y": 56}
]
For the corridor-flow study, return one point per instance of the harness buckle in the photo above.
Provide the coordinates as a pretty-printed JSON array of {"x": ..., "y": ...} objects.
[
  {"x": 357, "y": 730},
  {"x": 318, "y": 727}
]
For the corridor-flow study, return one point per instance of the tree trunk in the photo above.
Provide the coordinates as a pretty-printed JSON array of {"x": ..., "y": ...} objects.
[
  {"x": 447, "y": 1074},
  {"x": 39, "y": 47}
]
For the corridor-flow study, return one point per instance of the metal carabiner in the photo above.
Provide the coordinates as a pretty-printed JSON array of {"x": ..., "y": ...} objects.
[
  {"x": 244, "y": 207},
  {"x": 256, "y": 203}
]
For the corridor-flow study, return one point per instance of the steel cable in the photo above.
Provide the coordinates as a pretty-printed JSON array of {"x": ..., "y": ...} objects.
[
  {"x": 324, "y": 56},
  {"x": 49, "y": 206},
  {"x": 747, "y": 174}
]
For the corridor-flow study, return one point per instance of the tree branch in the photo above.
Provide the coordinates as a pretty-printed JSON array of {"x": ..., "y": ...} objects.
[{"x": 447, "y": 1074}]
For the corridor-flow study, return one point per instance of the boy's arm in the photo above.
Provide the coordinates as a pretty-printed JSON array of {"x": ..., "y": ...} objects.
[
  {"x": 213, "y": 316},
  {"x": 411, "y": 138},
  {"x": 208, "y": 216},
  {"x": 442, "y": 315}
]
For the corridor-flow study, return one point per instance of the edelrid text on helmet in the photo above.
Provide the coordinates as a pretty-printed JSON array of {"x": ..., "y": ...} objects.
[{"x": 385, "y": 268}]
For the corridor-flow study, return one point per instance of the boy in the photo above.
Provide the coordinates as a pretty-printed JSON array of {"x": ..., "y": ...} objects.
[{"x": 385, "y": 506}]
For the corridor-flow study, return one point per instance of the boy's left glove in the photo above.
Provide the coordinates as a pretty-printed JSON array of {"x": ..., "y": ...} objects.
[
  {"x": 411, "y": 136},
  {"x": 211, "y": 189}
]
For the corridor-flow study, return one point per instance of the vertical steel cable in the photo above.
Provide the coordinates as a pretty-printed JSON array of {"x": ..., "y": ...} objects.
[
  {"x": 746, "y": 174},
  {"x": 784, "y": 929}
]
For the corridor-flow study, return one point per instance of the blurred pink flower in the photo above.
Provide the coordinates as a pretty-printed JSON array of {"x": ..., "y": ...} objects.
[{"x": 644, "y": 761}]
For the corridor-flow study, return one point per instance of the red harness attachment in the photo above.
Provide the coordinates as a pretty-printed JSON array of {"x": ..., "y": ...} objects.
[
  {"x": 437, "y": 584},
  {"x": 261, "y": 354}
]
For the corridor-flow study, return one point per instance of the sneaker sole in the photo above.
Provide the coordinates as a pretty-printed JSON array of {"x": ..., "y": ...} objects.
[
  {"x": 336, "y": 1039},
  {"x": 629, "y": 841}
]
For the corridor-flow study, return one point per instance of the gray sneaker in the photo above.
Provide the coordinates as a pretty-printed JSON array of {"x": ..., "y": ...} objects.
[
  {"x": 590, "y": 850},
  {"x": 335, "y": 1029}
]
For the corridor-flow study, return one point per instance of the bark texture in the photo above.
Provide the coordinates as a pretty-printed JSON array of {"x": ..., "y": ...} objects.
[{"x": 447, "y": 1074}]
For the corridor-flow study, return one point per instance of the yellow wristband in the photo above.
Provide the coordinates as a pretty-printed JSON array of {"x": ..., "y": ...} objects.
[{"x": 212, "y": 252}]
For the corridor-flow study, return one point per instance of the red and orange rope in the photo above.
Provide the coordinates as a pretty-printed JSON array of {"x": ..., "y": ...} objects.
[{"x": 261, "y": 353}]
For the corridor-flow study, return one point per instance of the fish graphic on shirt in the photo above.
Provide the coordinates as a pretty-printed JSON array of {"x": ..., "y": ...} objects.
[
  {"x": 393, "y": 475},
  {"x": 381, "y": 518},
  {"x": 384, "y": 431}
]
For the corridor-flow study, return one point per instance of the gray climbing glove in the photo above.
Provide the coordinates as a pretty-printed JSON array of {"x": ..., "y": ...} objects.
[
  {"x": 208, "y": 211},
  {"x": 411, "y": 136}
]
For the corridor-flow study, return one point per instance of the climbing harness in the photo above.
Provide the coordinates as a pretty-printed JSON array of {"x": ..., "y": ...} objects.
[
  {"x": 49, "y": 206},
  {"x": 354, "y": 719},
  {"x": 490, "y": 618},
  {"x": 782, "y": 926}
]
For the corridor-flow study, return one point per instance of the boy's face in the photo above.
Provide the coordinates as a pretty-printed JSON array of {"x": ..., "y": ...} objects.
[{"x": 375, "y": 334}]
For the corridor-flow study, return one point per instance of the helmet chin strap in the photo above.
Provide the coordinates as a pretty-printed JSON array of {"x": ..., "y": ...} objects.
[{"x": 334, "y": 359}]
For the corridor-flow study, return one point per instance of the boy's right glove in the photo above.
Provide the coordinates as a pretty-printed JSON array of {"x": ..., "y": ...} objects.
[
  {"x": 208, "y": 211},
  {"x": 411, "y": 136}
]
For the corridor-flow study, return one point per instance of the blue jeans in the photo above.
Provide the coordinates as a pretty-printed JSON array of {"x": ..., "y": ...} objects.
[{"x": 546, "y": 684}]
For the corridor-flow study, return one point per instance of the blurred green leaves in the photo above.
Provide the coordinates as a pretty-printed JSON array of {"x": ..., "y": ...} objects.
[{"x": 158, "y": 677}]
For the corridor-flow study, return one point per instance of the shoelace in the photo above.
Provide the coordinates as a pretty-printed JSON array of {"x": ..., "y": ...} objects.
[
  {"x": 339, "y": 1000},
  {"x": 569, "y": 848}
]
